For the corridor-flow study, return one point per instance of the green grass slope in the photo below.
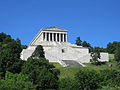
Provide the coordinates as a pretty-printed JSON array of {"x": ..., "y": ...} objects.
[{"x": 71, "y": 71}]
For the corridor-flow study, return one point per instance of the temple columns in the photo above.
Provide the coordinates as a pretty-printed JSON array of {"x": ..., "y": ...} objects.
[
  {"x": 52, "y": 36},
  {"x": 63, "y": 38},
  {"x": 66, "y": 37},
  {"x": 48, "y": 36},
  {"x": 45, "y": 36},
  {"x": 59, "y": 37},
  {"x": 55, "y": 36}
]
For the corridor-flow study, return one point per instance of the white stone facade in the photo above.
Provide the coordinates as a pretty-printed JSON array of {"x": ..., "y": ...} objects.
[{"x": 57, "y": 49}]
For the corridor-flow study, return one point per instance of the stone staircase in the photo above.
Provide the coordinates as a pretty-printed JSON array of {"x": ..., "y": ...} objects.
[{"x": 72, "y": 63}]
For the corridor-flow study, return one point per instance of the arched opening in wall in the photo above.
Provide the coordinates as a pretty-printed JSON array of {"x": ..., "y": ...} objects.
[{"x": 63, "y": 51}]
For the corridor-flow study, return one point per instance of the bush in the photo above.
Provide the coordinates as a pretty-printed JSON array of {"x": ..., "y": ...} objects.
[
  {"x": 88, "y": 79},
  {"x": 111, "y": 77},
  {"x": 67, "y": 84},
  {"x": 16, "y": 82},
  {"x": 109, "y": 88}
]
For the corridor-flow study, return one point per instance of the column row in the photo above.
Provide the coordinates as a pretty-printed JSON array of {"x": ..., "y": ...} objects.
[{"x": 57, "y": 37}]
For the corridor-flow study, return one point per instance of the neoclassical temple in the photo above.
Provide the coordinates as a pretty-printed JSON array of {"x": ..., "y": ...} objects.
[
  {"x": 58, "y": 49},
  {"x": 51, "y": 34}
]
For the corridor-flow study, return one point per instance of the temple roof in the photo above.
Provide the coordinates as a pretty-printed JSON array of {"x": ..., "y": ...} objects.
[{"x": 54, "y": 28}]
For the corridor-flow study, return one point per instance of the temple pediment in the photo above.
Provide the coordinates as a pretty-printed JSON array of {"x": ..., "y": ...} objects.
[
  {"x": 54, "y": 28},
  {"x": 50, "y": 34}
]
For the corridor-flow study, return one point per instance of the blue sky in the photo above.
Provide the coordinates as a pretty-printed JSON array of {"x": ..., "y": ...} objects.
[{"x": 96, "y": 21}]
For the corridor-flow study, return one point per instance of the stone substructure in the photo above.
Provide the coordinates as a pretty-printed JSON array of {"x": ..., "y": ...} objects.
[{"x": 57, "y": 49}]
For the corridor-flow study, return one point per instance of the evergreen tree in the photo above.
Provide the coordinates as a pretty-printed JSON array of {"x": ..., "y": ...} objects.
[
  {"x": 85, "y": 44},
  {"x": 39, "y": 52},
  {"x": 78, "y": 41}
]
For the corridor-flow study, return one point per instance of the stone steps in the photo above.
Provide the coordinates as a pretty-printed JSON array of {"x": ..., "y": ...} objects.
[{"x": 71, "y": 63}]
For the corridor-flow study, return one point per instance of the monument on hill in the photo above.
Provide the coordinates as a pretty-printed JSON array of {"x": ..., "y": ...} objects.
[{"x": 57, "y": 48}]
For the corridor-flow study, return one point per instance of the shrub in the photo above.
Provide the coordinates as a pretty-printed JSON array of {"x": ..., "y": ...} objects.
[
  {"x": 109, "y": 88},
  {"x": 88, "y": 79},
  {"x": 67, "y": 84},
  {"x": 111, "y": 77},
  {"x": 16, "y": 82}
]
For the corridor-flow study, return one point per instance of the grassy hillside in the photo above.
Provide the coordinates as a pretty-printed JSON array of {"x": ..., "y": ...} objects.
[{"x": 71, "y": 71}]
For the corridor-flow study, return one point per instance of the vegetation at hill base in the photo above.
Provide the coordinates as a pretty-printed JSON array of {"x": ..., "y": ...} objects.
[{"x": 38, "y": 74}]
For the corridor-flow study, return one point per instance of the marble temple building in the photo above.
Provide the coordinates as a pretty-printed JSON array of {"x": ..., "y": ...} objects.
[{"x": 58, "y": 49}]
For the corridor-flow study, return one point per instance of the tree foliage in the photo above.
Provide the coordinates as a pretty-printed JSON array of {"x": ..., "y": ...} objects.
[
  {"x": 95, "y": 57},
  {"x": 111, "y": 47},
  {"x": 16, "y": 82},
  {"x": 10, "y": 50},
  {"x": 67, "y": 84},
  {"x": 41, "y": 73},
  {"x": 85, "y": 44},
  {"x": 39, "y": 52},
  {"x": 88, "y": 79},
  {"x": 78, "y": 41},
  {"x": 98, "y": 49},
  {"x": 111, "y": 77},
  {"x": 117, "y": 55},
  {"x": 24, "y": 46}
]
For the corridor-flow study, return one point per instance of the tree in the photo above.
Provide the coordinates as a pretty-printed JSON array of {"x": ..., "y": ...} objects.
[
  {"x": 85, "y": 44},
  {"x": 24, "y": 46},
  {"x": 18, "y": 41},
  {"x": 16, "y": 82},
  {"x": 10, "y": 51},
  {"x": 16, "y": 67},
  {"x": 95, "y": 56},
  {"x": 111, "y": 47},
  {"x": 98, "y": 49},
  {"x": 117, "y": 55},
  {"x": 39, "y": 52},
  {"x": 78, "y": 41},
  {"x": 41, "y": 73}
]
